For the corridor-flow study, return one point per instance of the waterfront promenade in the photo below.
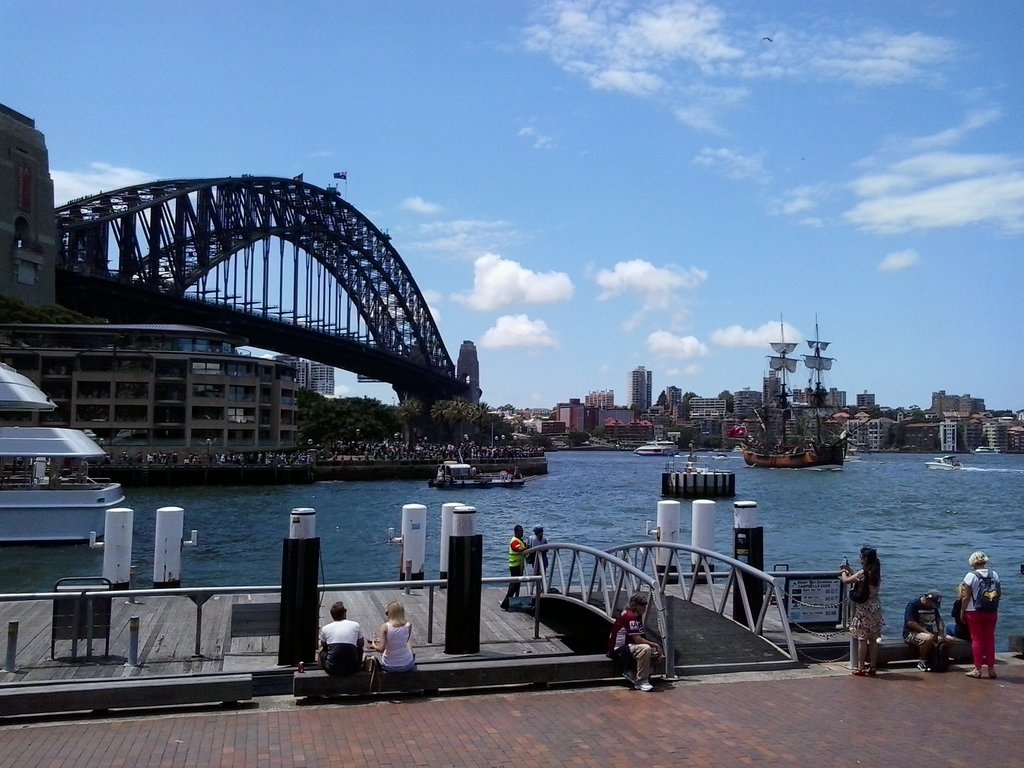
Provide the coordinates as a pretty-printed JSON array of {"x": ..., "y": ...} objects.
[{"x": 792, "y": 718}]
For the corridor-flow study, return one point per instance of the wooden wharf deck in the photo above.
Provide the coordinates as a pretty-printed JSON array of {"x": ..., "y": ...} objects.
[{"x": 168, "y": 643}]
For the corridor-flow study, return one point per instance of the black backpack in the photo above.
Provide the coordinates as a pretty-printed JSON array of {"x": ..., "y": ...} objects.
[{"x": 987, "y": 594}]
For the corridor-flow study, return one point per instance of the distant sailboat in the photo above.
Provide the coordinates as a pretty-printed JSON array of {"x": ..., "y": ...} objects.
[{"x": 776, "y": 448}]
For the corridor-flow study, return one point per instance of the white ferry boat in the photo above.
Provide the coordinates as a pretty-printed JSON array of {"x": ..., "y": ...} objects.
[
  {"x": 657, "y": 448},
  {"x": 46, "y": 494}
]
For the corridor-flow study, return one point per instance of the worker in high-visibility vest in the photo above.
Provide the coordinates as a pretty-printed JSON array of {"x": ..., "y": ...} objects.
[{"x": 516, "y": 550}]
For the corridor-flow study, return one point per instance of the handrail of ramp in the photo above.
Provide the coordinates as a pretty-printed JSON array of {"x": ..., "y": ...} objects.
[
  {"x": 602, "y": 582},
  {"x": 662, "y": 561}
]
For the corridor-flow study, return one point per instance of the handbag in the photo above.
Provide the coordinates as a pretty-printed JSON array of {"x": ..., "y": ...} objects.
[{"x": 861, "y": 591}]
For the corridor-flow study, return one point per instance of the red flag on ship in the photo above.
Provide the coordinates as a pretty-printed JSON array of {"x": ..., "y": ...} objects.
[{"x": 736, "y": 432}]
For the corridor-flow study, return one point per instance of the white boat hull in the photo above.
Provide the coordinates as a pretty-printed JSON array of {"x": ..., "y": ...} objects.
[{"x": 64, "y": 515}]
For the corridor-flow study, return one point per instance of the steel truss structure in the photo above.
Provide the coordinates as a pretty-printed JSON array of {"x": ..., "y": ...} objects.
[{"x": 279, "y": 250}]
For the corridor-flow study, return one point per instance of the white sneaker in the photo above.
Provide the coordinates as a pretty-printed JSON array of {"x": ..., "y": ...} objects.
[{"x": 645, "y": 687}]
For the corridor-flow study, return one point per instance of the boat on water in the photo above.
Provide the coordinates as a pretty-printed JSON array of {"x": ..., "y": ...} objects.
[
  {"x": 944, "y": 462},
  {"x": 456, "y": 474},
  {"x": 46, "y": 492},
  {"x": 657, "y": 448},
  {"x": 986, "y": 449},
  {"x": 807, "y": 445}
]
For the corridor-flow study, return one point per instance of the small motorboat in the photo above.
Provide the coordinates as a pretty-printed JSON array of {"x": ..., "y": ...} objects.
[{"x": 944, "y": 462}]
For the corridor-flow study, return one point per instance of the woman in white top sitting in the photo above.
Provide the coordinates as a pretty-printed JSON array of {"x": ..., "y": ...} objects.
[{"x": 394, "y": 641}]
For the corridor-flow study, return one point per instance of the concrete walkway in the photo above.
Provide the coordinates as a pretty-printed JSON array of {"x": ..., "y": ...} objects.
[{"x": 791, "y": 718}]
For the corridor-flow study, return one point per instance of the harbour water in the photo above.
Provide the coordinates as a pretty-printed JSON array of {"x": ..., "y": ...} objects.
[{"x": 923, "y": 522}]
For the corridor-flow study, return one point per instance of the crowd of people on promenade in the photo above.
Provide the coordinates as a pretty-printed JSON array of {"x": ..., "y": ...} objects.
[
  {"x": 424, "y": 451},
  {"x": 973, "y": 617},
  {"x": 234, "y": 458},
  {"x": 362, "y": 450}
]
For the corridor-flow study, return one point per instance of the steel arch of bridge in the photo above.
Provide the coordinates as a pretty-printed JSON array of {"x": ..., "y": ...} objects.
[{"x": 213, "y": 240}]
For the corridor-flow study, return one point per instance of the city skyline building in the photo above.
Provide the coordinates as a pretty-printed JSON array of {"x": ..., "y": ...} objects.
[
  {"x": 604, "y": 398},
  {"x": 640, "y": 389}
]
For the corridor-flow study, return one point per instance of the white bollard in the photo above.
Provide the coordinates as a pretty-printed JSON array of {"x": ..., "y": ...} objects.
[
  {"x": 702, "y": 526},
  {"x": 446, "y": 532},
  {"x": 744, "y": 514},
  {"x": 668, "y": 531},
  {"x": 117, "y": 546},
  {"x": 167, "y": 545},
  {"x": 414, "y": 541},
  {"x": 463, "y": 520},
  {"x": 302, "y": 523}
]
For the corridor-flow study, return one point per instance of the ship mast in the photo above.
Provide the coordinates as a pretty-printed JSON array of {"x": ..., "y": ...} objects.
[
  {"x": 817, "y": 363},
  {"x": 785, "y": 365}
]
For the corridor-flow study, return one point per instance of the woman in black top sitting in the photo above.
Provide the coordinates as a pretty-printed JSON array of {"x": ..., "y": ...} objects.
[{"x": 959, "y": 628}]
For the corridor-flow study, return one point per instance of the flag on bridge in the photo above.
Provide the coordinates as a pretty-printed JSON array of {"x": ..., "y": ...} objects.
[
  {"x": 737, "y": 432},
  {"x": 297, "y": 178},
  {"x": 341, "y": 175}
]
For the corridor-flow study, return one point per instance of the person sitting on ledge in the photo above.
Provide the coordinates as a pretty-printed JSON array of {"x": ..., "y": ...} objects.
[
  {"x": 923, "y": 627},
  {"x": 627, "y": 643},
  {"x": 341, "y": 643}
]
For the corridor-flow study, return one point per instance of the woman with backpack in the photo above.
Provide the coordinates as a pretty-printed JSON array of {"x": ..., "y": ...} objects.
[{"x": 981, "y": 608}]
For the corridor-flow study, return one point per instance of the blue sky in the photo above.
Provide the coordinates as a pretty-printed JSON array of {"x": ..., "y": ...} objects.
[{"x": 585, "y": 187}]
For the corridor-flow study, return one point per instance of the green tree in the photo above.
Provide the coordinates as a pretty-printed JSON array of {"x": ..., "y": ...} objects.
[
  {"x": 726, "y": 395},
  {"x": 409, "y": 412},
  {"x": 577, "y": 439},
  {"x": 685, "y": 400}
]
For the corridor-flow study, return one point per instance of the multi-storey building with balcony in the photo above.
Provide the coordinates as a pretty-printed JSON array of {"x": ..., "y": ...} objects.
[
  {"x": 604, "y": 398},
  {"x": 166, "y": 386}
]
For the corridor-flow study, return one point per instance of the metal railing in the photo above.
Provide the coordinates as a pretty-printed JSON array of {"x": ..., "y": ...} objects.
[
  {"x": 603, "y": 583},
  {"x": 720, "y": 579}
]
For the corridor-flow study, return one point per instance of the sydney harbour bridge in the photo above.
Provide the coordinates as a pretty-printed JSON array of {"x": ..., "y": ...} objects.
[{"x": 287, "y": 265}]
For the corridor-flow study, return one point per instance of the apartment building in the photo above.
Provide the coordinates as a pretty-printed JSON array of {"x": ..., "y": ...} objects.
[{"x": 167, "y": 386}]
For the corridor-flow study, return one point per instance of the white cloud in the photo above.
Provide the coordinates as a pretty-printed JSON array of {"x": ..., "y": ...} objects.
[
  {"x": 733, "y": 164},
  {"x": 434, "y": 300},
  {"x": 952, "y": 136},
  {"x": 419, "y": 205},
  {"x": 738, "y": 337},
  {"x": 667, "y": 345},
  {"x": 655, "y": 286},
  {"x": 538, "y": 140},
  {"x": 899, "y": 260},
  {"x": 464, "y": 238},
  {"x": 939, "y": 190},
  {"x": 631, "y": 48},
  {"x": 101, "y": 177},
  {"x": 499, "y": 283},
  {"x": 518, "y": 332}
]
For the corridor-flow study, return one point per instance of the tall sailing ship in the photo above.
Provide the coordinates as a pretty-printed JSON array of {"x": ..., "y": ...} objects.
[{"x": 807, "y": 444}]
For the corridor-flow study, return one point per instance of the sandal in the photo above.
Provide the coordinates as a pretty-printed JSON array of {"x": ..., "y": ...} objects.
[
  {"x": 975, "y": 674},
  {"x": 859, "y": 672},
  {"x": 871, "y": 672}
]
